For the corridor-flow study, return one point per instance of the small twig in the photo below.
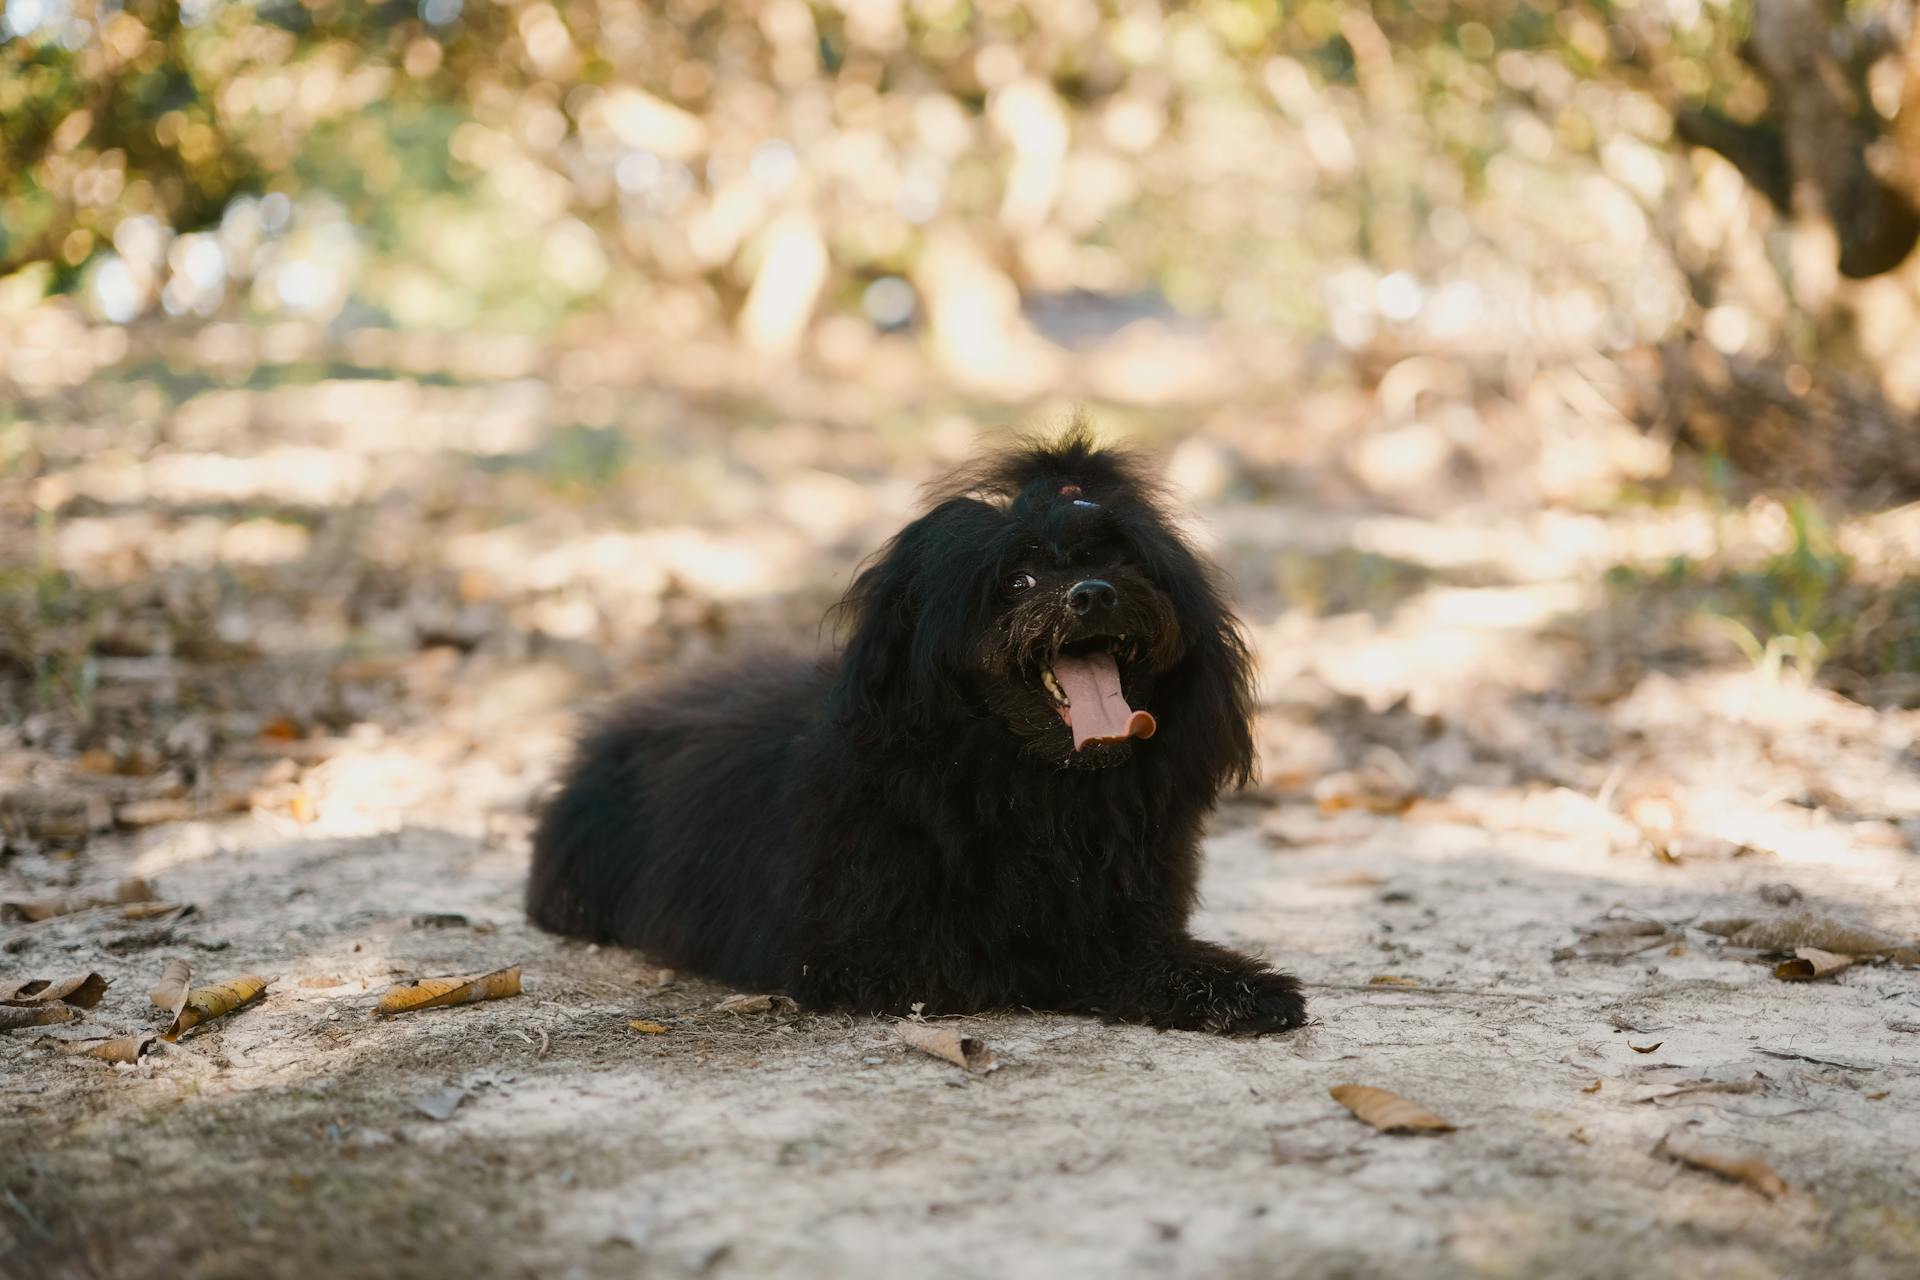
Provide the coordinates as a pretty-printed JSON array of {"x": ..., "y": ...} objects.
[
  {"x": 1393, "y": 989},
  {"x": 1903, "y": 1026},
  {"x": 1829, "y": 1062}
]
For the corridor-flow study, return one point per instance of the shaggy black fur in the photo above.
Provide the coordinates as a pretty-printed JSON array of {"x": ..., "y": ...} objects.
[{"x": 910, "y": 822}]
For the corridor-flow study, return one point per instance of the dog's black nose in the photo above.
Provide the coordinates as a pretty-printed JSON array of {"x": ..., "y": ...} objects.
[{"x": 1093, "y": 594}]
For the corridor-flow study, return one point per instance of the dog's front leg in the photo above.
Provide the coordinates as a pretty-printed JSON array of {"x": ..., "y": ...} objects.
[{"x": 1190, "y": 985}]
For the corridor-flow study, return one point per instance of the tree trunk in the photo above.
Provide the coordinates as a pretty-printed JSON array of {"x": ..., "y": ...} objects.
[{"x": 1845, "y": 220}]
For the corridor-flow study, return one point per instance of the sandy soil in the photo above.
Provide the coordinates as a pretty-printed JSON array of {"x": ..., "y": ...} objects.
[
  {"x": 287, "y": 1139},
  {"x": 1486, "y": 776}
]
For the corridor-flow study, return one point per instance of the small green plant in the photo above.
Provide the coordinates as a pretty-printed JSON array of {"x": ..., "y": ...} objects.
[{"x": 1791, "y": 613}]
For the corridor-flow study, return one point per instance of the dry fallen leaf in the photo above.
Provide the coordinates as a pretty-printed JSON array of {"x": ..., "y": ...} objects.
[
  {"x": 216, "y": 1001},
  {"x": 441, "y": 1104},
  {"x": 68, "y": 904},
  {"x": 1734, "y": 1165},
  {"x": 1351, "y": 880},
  {"x": 154, "y": 812},
  {"x": 1594, "y": 1087},
  {"x": 1810, "y": 928},
  {"x": 647, "y": 1027},
  {"x": 154, "y": 910},
  {"x": 124, "y": 1049},
  {"x": 434, "y": 993},
  {"x": 1645, "y": 1048},
  {"x": 170, "y": 993},
  {"x": 1756, "y": 1085},
  {"x": 947, "y": 1044},
  {"x": 756, "y": 1004},
  {"x": 1388, "y": 1112},
  {"x": 82, "y": 992},
  {"x": 1809, "y": 963},
  {"x": 1391, "y": 980},
  {"x": 1376, "y": 787},
  {"x": 44, "y": 1015},
  {"x": 1616, "y": 940}
]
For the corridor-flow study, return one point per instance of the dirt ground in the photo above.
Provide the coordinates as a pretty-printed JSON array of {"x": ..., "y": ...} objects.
[{"x": 319, "y": 671}]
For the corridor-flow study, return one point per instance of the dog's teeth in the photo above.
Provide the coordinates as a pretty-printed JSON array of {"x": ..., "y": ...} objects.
[{"x": 1053, "y": 687}]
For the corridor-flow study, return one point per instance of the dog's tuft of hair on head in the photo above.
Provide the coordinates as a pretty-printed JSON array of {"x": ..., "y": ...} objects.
[{"x": 1035, "y": 470}]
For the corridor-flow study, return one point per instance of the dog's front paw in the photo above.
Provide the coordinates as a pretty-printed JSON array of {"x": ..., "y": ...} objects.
[
  {"x": 1273, "y": 1003},
  {"x": 1209, "y": 988}
]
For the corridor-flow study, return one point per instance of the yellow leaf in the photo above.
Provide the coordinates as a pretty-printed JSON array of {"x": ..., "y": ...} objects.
[
  {"x": 433, "y": 993},
  {"x": 216, "y": 1001},
  {"x": 1391, "y": 980},
  {"x": 1388, "y": 1112},
  {"x": 647, "y": 1027}
]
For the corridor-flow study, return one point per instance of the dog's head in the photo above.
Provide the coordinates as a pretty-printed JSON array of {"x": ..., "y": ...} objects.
[{"x": 1046, "y": 588}]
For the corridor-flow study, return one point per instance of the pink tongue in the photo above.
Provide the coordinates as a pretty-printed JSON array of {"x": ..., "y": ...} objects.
[{"x": 1099, "y": 712}]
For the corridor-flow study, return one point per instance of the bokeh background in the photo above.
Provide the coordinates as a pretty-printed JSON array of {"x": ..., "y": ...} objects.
[
  {"x": 360, "y": 358},
  {"x": 383, "y": 384}
]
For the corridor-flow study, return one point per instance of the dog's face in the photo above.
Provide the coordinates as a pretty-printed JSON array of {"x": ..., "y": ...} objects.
[
  {"x": 1049, "y": 591},
  {"x": 1077, "y": 631}
]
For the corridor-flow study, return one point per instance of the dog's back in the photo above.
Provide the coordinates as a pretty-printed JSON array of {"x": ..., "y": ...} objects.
[{"x": 668, "y": 830}]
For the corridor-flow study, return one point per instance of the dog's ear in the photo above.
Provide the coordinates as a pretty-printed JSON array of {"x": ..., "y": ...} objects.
[
  {"x": 913, "y": 610},
  {"x": 1213, "y": 682}
]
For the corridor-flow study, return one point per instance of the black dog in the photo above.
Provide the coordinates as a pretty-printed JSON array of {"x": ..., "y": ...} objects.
[{"x": 992, "y": 797}]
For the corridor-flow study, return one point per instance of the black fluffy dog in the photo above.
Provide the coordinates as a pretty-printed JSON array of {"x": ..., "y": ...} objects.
[{"x": 992, "y": 797}]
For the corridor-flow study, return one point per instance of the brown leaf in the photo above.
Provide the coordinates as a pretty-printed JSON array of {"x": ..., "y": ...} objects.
[
  {"x": 1734, "y": 1165},
  {"x": 208, "y": 1003},
  {"x": 1388, "y": 1112},
  {"x": 947, "y": 1044},
  {"x": 1810, "y": 928},
  {"x": 170, "y": 993},
  {"x": 1594, "y": 1087},
  {"x": 1391, "y": 980},
  {"x": 1645, "y": 1048},
  {"x": 12, "y": 1018},
  {"x": 435, "y": 993},
  {"x": 82, "y": 992},
  {"x": 756, "y": 1004},
  {"x": 647, "y": 1027},
  {"x": 1809, "y": 963},
  {"x": 126, "y": 891},
  {"x": 124, "y": 1049}
]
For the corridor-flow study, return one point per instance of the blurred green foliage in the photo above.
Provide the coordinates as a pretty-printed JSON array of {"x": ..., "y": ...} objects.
[{"x": 501, "y": 159}]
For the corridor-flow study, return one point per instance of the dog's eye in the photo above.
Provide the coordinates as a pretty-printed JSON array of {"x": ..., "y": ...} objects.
[{"x": 1019, "y": 582}]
